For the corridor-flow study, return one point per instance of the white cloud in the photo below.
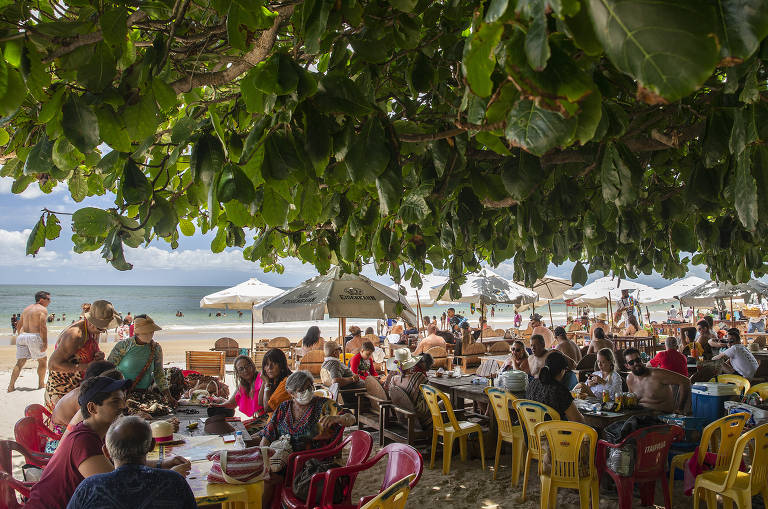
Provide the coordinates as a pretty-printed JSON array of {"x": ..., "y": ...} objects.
[
  {"x": 13, "y": 246},
  {"x": 31, "y": 192}
]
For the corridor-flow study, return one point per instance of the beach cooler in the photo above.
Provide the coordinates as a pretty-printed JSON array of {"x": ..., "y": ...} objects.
[{"x": 708, "y": 399}]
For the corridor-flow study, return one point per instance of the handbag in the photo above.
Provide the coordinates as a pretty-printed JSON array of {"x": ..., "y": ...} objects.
[
  {"x": 302, "y": 480},
  {"x": 240, "y": 466}
]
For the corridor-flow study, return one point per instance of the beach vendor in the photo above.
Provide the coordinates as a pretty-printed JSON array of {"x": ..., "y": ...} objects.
[
  {"x": 627, "y": 305},
  {"x": 80, "y": 453},
  {"x": 76, "y": 347},
  {"x": 140, "y": 358},
  {"x": 362, "y": 363}
]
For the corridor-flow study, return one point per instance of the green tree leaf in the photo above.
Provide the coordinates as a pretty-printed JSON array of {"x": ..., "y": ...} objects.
[
  {"x": 112, "y": 131},
  {"x": 39, "y": 159},
  {"x": 369, "y": 155},
  {"x": 496, "y": 10},
  {"x": 413, "y": 209},
  {"x": 315, "y": 19},
  {"x": 14, "y": 93},
  {"x": 536, "y": 39},
  {"x": 742, "y": 24},
  {"x": 134, "y": 185},
  {"x": 479, "y": 59},
  {"x": 52, "y": 227},
  {"x": 114, "y": 26},
  {"x": 141, "y": 118},
  {"x": 65, "y": 156},
  {"x": 78, "y": 186},
  {"x": 187, "y": 227},
  {"x": 274, "y": 208},
  {"x": 579, "y": 274},
  {"x": 235, "y": 35},
  {"x": 92, "y": 222},
  {"x": 206, "y": 159},
  {"x": 620, "y": 175},
  {"x": 36, "y": 238},
  {"x": 745, "y": 192},
  {"x": 537, "y": 130},
  {"x": 80, "y": 124}
]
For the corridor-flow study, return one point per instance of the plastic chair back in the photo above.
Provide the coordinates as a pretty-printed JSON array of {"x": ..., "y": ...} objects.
[
  {"x": 759, "y": 469},
  {"x": 761, "y": 389},
  {"x": 530, "y": 414},
  {"x": 393, "y": 497},
  {"x": 740, "y": 381},
  {"x": 652, "y": 445},
  {"x": 39, "y": 412},
  {"x": 500, "y": 403},
  {"x": 565, "y": 439},
  {"x": 721, "y": 437},
  {"x": 433, "y": 397},
  {"x": 26, "y": 433},
  {"x": 8, "y": 485}
]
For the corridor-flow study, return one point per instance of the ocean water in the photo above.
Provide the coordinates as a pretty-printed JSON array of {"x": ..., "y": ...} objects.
[{"x": 162, "y": 303}]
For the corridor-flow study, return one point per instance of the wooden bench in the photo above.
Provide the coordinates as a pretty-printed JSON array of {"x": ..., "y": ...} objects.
[{"x": 206, "y": 363}]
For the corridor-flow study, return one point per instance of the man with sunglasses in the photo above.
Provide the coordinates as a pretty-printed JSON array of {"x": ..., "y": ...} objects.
[
  {"x": 32, "y": 341},
  {"x": 76, "y": 348},
  {"x": 657, "y": 388}
]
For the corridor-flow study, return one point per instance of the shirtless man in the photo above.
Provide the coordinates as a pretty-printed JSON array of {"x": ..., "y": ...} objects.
[
  {"x": 566, "y": 346},
  {"x": 432, "y": 340},
  {"x": 32, "y": 341},
  {"x": 653, "y": 386},
  {"x": 538, "y": 328},
  {"x": 76, "y": 348},
  {"x": 599, "y": 341},
  {"x": 540, "y": 353},
  {"x": 600, "y": 323}
]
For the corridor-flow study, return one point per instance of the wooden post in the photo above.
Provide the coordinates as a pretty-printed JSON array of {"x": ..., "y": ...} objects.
[
  {"x": 419, "y": 316},
  {"x": 551, "y": 321},
  {"x": 733, "y": 318}
]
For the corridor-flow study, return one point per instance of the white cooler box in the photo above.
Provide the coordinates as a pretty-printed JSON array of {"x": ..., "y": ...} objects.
[
  {"x": 759, "y": 415},
  {"x": 708, "y": 398}
]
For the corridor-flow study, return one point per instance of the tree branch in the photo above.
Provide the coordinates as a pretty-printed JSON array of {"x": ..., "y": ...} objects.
[{"x": 262, "y": 47}]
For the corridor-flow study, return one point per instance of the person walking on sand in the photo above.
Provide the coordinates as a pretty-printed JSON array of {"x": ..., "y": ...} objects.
[{"x": 32, "y": 341}]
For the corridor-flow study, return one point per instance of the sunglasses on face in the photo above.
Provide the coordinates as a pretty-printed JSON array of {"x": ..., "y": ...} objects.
[
  {"x": 517, "y": 349},
  {"x": 634, "y": 361}
]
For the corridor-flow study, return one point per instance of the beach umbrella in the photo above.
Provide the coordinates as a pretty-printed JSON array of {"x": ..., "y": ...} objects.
[
  {"x": 242, "y": 296},
  {"x": 340, "y": 296},
  {"x": 420, "y": 296},
  {"x": 670, "y": 293},
  {"x": 713, "y": 292},
  {"x": 486, "y": 287},
  {"x": 549, "y": 288},
  {"x": 605, "y": 289}
]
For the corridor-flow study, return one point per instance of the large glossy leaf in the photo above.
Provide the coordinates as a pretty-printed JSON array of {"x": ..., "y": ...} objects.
[
  {"x": 620, "y": 175},
  {"x": 91, "y": 222},
  {"x": 742, "y": 25},
  {"x": 39, "y": 159},
  {"x": 745, "y": 191},
  {"x": 80, "y": 124},
  {"x": 369, "y": 154},
  {"x": 537, "y": 130},
  {"x": 134, "y": 185},
  {"x": 479, "y": 60},
  {"x": 113, "y": 26},
  {"x": 206, "y": 159},
  {"x": 579, "y": 274},
  {"x": 666, "y": 46},
  {"x": 36, "y": 238}
]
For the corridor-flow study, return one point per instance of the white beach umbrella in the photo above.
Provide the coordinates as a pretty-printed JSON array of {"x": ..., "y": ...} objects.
[
  {"x": 548, "y": 288},
  {"x": 429, "y": 281},
  {"x": 599, "y": 291},
  {"x": 339, "y": 295},
  {"x": 242, "y": 296},
  {"x": 710, "y": 292},
  {"x": 670, "y": 293},
  {"x": 486, "y": 287}
]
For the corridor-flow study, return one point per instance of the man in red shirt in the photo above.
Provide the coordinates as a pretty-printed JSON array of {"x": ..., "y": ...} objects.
[{"x": 671, "y": 358}]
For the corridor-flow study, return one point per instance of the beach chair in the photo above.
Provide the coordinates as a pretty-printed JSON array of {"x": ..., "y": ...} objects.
[
  {"x": 731, "y": 483},
  {"x": 530, "y": 413},
  {"x": 451, "y": 430},
  {"x": 9, "y": 486},
  {"x": 33, "y": 434},
  {"x": 499, "y": 333},
  {"x": 206, "y": 363},
  {"x": 440, "y": 355},
  {"x": 359, "y": 444},
  {"x": 281, "y": 342},
  {"x": 741, "y": 382},
  {"x": 402, "y": 461},
  {"x": 401, "y": 421},
  {"x": 499, "y": 348},
  {"x": 508, "y": 431},
  {"x": 651, "y": 446},
  {"x": 312, "y": 362},
  {"x": 370, "y": 407},
  {"x": 566, "y": 471},
  {"x": 393, "y": 497},
  {"x": 227, "y": 345},
  {"x": 761, "y": 389},
  {"x": 719, "y": 437}
]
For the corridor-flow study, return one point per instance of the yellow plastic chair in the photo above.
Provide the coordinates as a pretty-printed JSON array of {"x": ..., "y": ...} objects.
[
  {"x": 393, "y": 497},
  {"x": 530, "y": 414},
  {"x": 738, "y": 380},
  {"x": 761, "y": 389},
  {"x": 732, "y": 484},
  {"x": 451, "y": 430},
  {"x": 565, "y": 439},
  {"x": 508, "y": 431},
  {"x": 721, "y": 436}
]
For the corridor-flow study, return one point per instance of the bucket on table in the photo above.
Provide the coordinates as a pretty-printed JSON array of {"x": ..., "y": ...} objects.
[{"x": 708, "y": 399}]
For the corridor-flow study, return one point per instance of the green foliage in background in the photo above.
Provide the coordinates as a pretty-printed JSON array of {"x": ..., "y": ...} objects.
[{"x": 407, "y": 133}]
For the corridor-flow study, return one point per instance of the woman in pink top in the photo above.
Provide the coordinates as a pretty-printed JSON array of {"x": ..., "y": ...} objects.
[{"x": 249, "y": 385}]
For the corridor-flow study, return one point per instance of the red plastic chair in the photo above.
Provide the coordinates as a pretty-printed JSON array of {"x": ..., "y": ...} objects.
[
  {"x": 402, "y": 460},
  {"x": 8, "y": 485},
  {"x": 32, "y": 434},
  {"x": 652, "y": 448},
  {"x": 360, "y": 444},
  {"x": 43, "y": 418}
]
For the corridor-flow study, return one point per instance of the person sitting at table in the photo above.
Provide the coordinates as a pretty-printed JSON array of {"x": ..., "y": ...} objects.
[
  {"x": 80, "y": 454},
  {"x": 133, "y": 484},
  {"x": 517, "y": 358},
  {"x": 549, "y": 388},
  {"x": 409, "y": 372},
  {"x": 600, "y": 323},
  {"x": 537, "y": 327},
  {"x": 653, "y": 386},
  {"x": 599, "y": 341},
  {"x": 738, "y": 358},
  {"x": 706, "y": 340},
  {"x": 671, "y": 358},
  {"x": 334, "y": 372},
  {"x": 687, "y": 339},
  {"x": 274, "y": 372},
  {"x": 430, "y": 341},
  {"x": 354, "y": 343},
  {"x": 605, "y": 377},
  {"x": 249, "y": 388},
  {"x": 369, "y": 331},
  {"x": 310, "y": 341},
  {"x": 140, "y": 358},
  {"x": 362, "y": 364},
  {"x": 566, "y": 346}
]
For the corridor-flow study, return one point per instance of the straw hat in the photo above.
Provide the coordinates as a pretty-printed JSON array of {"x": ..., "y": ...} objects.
[
  {"x": 602, "y": 316},
  {"x": 102, "y": 314},
  {"x": 162, "y": 431},
  {"x": 145, "y": 325},
  {"x": 402, "y": 359}
]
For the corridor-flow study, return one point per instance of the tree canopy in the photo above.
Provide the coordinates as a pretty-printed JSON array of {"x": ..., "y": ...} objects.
[{"x": 620, "y": 134}]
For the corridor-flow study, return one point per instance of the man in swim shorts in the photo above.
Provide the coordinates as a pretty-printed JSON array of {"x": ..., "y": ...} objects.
[{"x": 32, "y": 340}]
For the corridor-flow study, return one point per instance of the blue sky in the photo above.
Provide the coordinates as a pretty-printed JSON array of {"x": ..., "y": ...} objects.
[{"x": 191, "y": 264}]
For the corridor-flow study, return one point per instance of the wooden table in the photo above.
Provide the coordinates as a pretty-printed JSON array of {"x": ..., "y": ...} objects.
[
  {"x": 600, "y": 421},
  {"x": 195, "y": 449},
  {"x": 490, "y": 364},
  {"x": 476, "y": 393},
  {"x": 447, "y": 384}
]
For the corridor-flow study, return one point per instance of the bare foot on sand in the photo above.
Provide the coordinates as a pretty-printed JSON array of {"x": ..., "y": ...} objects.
[{"x": 11, "y": 389}]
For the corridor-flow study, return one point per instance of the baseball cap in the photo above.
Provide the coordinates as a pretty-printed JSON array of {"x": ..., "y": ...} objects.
[{"x": 102, "y": 384}]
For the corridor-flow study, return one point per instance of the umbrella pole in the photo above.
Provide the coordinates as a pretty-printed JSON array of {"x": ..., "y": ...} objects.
[
  {"x": 610, "y": 309},
  {"x": 733, "y": 321},
  {"x": 419, "y": 316},
  {"x": 251, "y": 329},
  {"x": 551, "y": 321}
]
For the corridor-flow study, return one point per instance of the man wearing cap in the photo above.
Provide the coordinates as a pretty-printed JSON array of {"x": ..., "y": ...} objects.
[
  {"x": 537, "y": 327},
  {"x": 80, "y": 454},
  {"x": 76, "y": 348},
  {"x": 133, "y": 484},
  {"x": 140, "y": 359}
]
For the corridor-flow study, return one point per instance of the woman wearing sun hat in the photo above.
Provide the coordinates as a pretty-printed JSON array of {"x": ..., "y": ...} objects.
[
  {"x": 76, "y": 348},
  {"x": 140, "y": 358},
  {"x": 404, "y": 373}
]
